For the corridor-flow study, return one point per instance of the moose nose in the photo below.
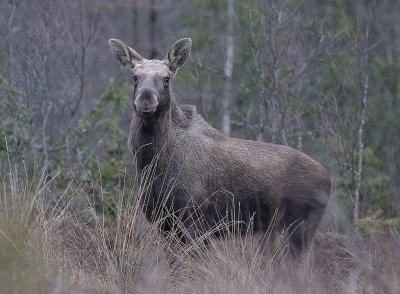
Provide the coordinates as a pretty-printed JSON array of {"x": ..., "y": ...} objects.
[{"x": 146, "y": 102}]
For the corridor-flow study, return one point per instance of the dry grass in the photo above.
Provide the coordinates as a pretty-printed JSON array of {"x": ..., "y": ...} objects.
[{"x": 66, "y": 247}]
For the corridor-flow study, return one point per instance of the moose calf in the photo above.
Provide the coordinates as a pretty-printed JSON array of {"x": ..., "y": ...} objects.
[{"x": 197, "y": 176}]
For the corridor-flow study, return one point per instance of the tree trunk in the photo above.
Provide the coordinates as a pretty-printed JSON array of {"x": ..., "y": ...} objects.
[
  {"x": 153, "y": 29},
  {"x": 363, "y": 113},
  {"x": 226, "y": 105},
  {"x": 135, "y": 22}
]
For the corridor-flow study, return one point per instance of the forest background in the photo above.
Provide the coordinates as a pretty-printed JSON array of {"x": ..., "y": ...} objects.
[{"x": 318, "y": 76}]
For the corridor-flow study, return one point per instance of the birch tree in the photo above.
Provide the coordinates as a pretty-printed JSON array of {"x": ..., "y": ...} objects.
[
  {"x": 346, "y": 91},
  {"x": 282, "y": 47},
  {"x": 364, "y": 84},
  {"x": 228, "y": 69}
]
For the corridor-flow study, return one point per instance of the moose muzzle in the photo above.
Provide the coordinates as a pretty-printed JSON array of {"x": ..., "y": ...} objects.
[{"x": 146, "y": 102}]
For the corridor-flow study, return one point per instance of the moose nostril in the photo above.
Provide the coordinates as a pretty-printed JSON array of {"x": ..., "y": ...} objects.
[{"x": 145, "y": 104}]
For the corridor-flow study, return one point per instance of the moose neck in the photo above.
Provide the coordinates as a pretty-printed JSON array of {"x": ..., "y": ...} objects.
[{"x": 152, "y": 137}]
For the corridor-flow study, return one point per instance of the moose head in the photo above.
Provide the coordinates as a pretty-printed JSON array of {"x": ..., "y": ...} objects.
[{"x": 151, "y": 78}]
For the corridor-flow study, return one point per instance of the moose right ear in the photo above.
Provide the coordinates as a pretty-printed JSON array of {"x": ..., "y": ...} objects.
[
  {"x": 125, "y": 55},
  {"x": 178, "y": 54}
]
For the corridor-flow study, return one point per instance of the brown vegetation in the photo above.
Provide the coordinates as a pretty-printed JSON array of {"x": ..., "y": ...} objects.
[{"x": 69, "y": 248}]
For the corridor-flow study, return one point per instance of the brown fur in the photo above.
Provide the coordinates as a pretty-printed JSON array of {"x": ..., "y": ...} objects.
[{"x": 201, "y": 174}]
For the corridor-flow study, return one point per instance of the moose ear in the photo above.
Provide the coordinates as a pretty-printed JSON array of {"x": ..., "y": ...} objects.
[
  {"x": 178, "y": 54},
  {"x": 125, "y": 55}
]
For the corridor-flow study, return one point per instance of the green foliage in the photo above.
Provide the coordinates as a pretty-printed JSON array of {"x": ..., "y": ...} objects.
[
  {"x": 98, "y": 146},
  {"x": 383, "y": 127},
  {"x": 375, "y": 224},
  {"x": 387, "y": 72},
  {"x": 93, "y": 153},
  {"x": 6, "y": 87},
  {"x": 375, "y": 194},
  {"x": 14, "y": 123},
  {"x": 203, "y": 75}
]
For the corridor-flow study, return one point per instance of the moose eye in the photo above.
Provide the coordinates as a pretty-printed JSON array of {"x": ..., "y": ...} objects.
[{"x": 166, "y": 81}]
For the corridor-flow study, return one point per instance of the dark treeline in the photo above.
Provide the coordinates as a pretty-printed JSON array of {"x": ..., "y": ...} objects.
[{"x": 319, "y": 76}]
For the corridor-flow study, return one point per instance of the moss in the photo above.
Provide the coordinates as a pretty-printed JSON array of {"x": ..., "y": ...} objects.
[{"x": 371, "y": 225}]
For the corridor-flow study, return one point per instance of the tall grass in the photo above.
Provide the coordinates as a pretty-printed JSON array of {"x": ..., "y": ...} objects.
[{"x": 66, "y": 246}]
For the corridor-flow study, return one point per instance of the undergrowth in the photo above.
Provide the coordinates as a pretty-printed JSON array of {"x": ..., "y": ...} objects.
[{"x": 68, "y": 246}]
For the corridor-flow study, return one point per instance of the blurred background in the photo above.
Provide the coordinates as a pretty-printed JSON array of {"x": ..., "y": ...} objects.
[{"x": 318, "y": 76}]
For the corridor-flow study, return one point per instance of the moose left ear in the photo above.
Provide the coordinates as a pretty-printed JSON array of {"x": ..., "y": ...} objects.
[
  {"x": 125, "y": 55},
  {"x": 178, "y": 54}
]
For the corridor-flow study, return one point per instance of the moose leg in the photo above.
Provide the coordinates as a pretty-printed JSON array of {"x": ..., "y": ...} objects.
[
  {"x": 195, "y": 231},
  {"x": 301, "y": 219},
  {"x": 303, "y": 232}
]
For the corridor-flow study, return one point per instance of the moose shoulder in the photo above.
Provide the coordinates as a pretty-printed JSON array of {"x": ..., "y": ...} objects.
[{"x": 197, "y": 176}]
